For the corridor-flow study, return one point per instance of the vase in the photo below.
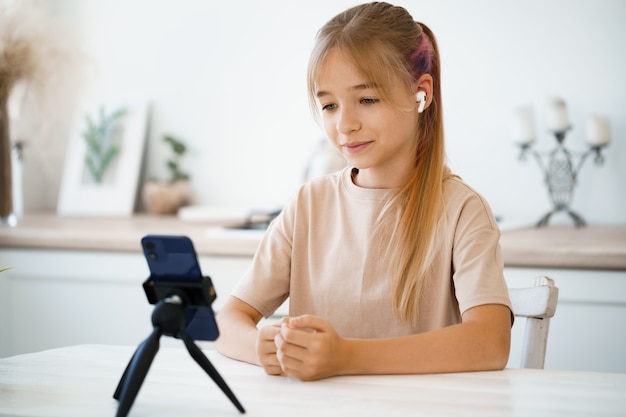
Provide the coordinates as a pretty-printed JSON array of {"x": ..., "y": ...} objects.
[{"x": 7, "y": 216}]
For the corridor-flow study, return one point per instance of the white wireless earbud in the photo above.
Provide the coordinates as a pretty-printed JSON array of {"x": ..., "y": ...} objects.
[{"x": 421, "y": 99}]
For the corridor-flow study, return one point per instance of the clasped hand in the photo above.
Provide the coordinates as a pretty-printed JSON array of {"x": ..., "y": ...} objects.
[{"x": 305, "y": 347}]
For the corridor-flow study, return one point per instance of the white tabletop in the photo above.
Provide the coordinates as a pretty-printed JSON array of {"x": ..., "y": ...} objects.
[{"x": 80, "y": 381}]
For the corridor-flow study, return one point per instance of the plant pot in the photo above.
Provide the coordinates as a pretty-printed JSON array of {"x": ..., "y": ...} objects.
[{"x": 165, "y": 197}]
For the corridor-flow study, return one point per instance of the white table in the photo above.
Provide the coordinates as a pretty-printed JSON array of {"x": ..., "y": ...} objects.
[{"x": 80, "y": 381}]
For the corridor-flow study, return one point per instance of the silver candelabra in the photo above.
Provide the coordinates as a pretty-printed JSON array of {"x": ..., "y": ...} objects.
[
  {"x": 560, "y": 175},
  {"x": 561, "y": 169}
]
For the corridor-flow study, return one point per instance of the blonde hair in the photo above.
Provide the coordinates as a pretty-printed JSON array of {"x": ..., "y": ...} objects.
[{"x": 383, "y": 41}]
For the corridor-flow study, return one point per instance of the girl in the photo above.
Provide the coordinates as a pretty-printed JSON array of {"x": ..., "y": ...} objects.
[{"x": 391, "y": 265}]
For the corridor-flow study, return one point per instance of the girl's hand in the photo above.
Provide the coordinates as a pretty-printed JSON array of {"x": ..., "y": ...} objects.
[
  {"x": 309, "y": 348},
  {"x": 266, "y": 348}
]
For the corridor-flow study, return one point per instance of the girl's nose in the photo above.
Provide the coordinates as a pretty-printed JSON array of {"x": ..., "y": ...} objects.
[{"x": 348, "y": 121}]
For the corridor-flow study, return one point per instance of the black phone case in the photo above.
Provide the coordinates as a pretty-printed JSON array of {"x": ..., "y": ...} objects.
[{"x": 171, "y": 258}]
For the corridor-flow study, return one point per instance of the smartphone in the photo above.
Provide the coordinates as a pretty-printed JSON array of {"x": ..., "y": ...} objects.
[{"x": 173, "y": 259}]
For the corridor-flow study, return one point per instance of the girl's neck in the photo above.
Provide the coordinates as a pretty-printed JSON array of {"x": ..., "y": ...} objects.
[{"x": 372, "y": 178}]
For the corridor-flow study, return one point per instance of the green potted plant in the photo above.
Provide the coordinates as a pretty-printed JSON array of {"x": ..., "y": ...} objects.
[{"x": 167, "y": 196}]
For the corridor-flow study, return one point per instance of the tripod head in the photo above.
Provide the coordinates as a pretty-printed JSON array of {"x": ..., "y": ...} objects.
[
  {"x": 192, "y": 294},
  {"x": 169, "y": 316},
  {"x": 193, "y": 299}
]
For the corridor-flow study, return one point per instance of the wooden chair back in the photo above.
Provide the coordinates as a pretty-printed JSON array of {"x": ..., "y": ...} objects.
[{"x": 537, "y": 304}]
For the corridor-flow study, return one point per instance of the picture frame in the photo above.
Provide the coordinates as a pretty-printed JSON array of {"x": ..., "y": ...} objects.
[{"x": 101, "y": 173}]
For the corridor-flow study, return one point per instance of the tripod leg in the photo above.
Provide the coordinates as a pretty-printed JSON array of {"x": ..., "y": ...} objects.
[
  {"x": 136, "y": 372},
  {"x": 205, "y": 364},
  {"x": 116, "y": 394}
]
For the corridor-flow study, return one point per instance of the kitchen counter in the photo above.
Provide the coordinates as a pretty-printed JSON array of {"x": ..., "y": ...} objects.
[
  {"x": 557, "y": 246},
  {"x": 565, "y": 246},
  {"x": 48, "y": 231}
]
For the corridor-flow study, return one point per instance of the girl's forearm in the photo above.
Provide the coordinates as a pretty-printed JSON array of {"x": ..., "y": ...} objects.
[
  {"x": 475, "y": 345},
  {"x": 238, "y": 335}
]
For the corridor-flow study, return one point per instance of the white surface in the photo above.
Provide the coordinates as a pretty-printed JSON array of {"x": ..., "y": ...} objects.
[
  {"x": 80, "y": 381},
  {"x": 213, "y": 214},
  {"x": 239, "y": 235}
]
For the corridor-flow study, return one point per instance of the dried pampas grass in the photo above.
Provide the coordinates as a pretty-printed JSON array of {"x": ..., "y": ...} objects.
[
  {"x": 34, "y": 49},
  {"x": 42, "y": 75}
]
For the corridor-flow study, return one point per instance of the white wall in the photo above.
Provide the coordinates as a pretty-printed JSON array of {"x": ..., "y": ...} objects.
[{"x": 230, "y": 78}]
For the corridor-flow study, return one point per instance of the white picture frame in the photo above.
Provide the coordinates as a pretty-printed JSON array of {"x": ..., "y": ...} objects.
[{"x": 116, "y": 193}]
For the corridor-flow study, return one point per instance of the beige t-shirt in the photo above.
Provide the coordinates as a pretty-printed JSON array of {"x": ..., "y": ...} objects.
[{"x": 315, "y": 253}]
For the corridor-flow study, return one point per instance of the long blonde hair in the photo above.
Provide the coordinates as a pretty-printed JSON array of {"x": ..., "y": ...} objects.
[{"x": 383, "y": 41}]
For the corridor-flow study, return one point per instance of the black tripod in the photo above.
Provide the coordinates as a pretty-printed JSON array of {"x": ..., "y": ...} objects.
[{"x": 168, "y": 318}]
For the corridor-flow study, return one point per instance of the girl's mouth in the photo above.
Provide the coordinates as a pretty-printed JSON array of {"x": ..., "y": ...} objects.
[{"x": 356, "y": 147}]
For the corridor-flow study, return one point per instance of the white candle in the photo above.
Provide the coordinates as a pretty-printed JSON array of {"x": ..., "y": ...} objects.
[
  {"x": 598, "y": 131},
  {"x": 558, "y": 121},
  {"x": 523, "y": 126}
]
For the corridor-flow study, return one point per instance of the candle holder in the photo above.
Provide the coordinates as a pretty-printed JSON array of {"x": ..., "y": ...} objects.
[{"x": 561, "y": 174}]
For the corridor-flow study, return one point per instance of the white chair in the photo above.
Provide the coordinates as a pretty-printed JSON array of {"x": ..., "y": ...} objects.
[{"x": 537, "y": 304}]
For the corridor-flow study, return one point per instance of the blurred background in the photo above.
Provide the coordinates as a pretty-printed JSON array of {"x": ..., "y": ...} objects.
[{"x": 229, "y": 78}]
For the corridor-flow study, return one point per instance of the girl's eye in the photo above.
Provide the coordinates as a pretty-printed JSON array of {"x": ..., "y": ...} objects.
[
  {"x": 328, "y": 107},
  {"x": 369, "y": 100}
]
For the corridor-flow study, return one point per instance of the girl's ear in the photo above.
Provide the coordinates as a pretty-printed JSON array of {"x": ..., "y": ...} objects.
[{"x": 424, "y": 86}]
